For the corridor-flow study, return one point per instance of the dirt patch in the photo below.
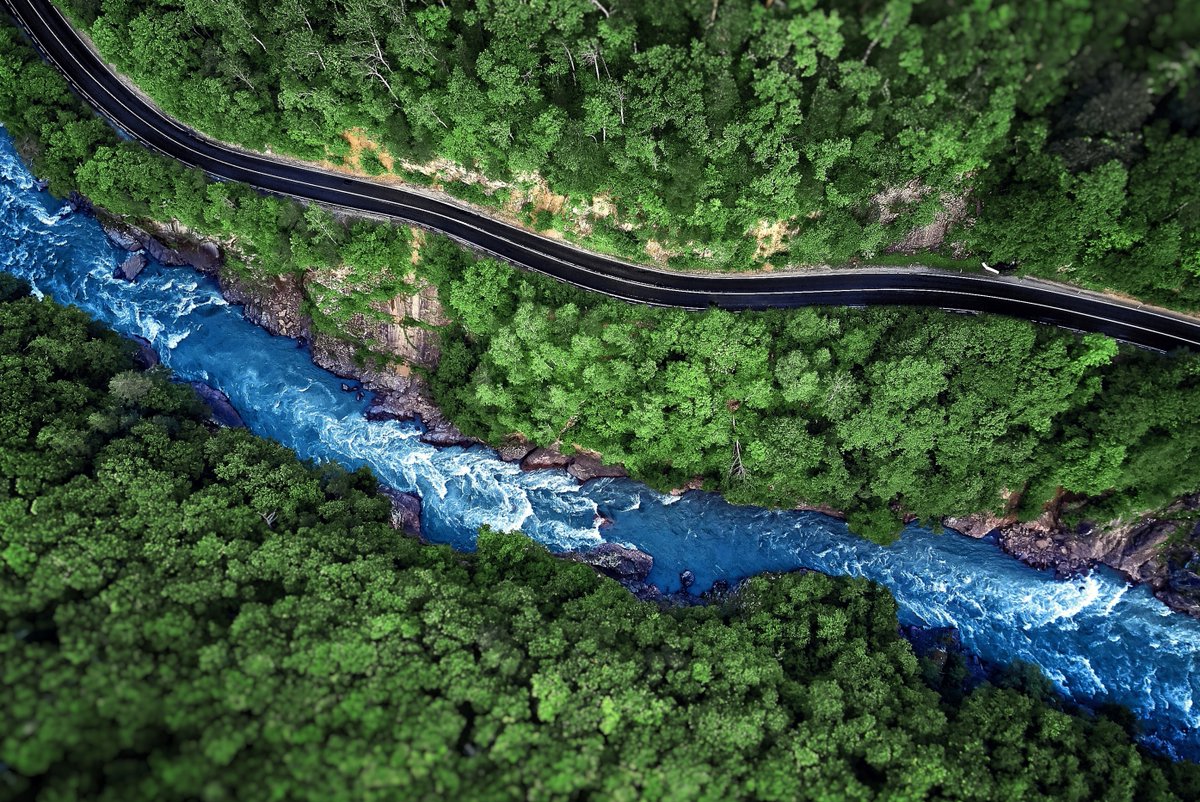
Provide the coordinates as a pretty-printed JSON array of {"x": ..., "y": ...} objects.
[
  {"x": 890, "y": 203},
  {"x": 657, "y": 252},
  {"x": 771, "y": 237}
]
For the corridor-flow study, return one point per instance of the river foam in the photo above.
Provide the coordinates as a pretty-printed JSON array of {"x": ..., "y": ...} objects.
[{"x": 1096, "y": 638}]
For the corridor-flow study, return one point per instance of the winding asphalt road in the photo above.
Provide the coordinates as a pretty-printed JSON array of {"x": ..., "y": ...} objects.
[{"x": 1039, "y": 301}]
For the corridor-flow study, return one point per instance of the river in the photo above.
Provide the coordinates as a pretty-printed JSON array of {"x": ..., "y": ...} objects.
[{"x": 1096, "y": 638}]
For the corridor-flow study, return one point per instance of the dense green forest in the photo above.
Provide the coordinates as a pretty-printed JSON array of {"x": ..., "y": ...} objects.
[
  {"x": 1067, "y": 132},
  {"x": 877, "y": 412},
  {"x": 197, "y": 614}
]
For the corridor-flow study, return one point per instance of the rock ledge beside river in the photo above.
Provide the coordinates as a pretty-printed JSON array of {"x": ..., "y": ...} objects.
[{"x": 1159, "y": 550}]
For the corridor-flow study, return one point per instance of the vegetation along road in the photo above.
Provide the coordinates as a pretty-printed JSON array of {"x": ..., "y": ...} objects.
[{"x": 1039, "y": 301}]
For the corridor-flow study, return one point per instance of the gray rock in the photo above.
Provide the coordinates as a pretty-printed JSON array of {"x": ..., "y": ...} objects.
[
  {"x": 619, "y": 562},
  {"x": 146, "y": 357},
  {"x": 126, "y": 238},
  {"x": 223, "y": 412},
  {"x": 406, "y": 510},
  {"x": 164, "y": 255},
  {"x": 514, "y": 449},
  {"x": 131, "y": 267},
  {"x": 687, "y": 579},
  {"x": 541, "y": 459},
  {"x": 205, "y": 256},
  {"x": 585, "y": 468}
]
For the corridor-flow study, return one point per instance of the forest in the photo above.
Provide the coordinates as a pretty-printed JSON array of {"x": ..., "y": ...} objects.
[
  {"x": 228, "y": 622},
  {"x": 880, "y": 413},
  {"x": 1059, "y": 136}
]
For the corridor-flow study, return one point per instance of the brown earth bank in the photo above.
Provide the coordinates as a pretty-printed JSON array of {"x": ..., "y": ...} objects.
[{"x": 1157, "y": 550}]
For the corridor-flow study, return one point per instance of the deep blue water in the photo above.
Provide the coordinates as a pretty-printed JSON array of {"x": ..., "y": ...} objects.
[{"x": 1095, "y": 637}]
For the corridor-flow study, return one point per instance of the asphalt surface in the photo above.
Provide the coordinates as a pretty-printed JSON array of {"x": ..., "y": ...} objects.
[{"x": 1039, "y": 301}]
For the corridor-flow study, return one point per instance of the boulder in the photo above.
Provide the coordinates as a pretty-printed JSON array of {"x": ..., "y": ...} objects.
[
  {"x": 413, "y": 403},
  {"x": 627, "y": 565},
  {"x": 514, "y": 448},
  {"x": 541, "y": 459},
  {"x": 164, "y": 255},
  {"x": 445, "y": 438},
  {"x": 686, "y": 579},
  {"x": 976, "y": 526},
  {"x": 223, "y": 412},
  {"x": 127, "y": 238},
  {"x": 132, "y": 267},
  {"x": 79, "y": 203},
  {"x": 585, "y": 468},
  {"x": 146, "y": 357},
  {"x": 406, "y": 510},
  {"x": 204, "y": 256}
]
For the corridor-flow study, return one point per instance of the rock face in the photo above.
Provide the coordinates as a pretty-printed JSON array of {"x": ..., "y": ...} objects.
[
  {"x": 146, "y": 357},
  {"x": 123, "y": 237},
  {"x": 619, "y": 562},
  {"x": 406, "y": 510},
  {"x": 131, "y": 267},
  {"x": 1160, "y": 552},
  {"x": 277, "y": 306},
  {"x": 584, "y": 466},
  {"x": 541, "y": 459},
  {"x": 203, "y": 255},
  {"x": 412, "y": 402},
  {"x": 515, "y": 448},
  {"x": 223, "y": 412}
]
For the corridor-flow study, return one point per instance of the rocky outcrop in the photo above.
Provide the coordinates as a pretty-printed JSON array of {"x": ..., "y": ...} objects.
[
  {"x": 145, "y": 357},
  {"x": 583, "y": 465},
  {"x": 412, "y": 402},
  {"x": 514, "y": 448},
  {"x": 542, "y": 459},
  {"x": 406, "y": 510},
  {"x": 622, "y": 563},
  {"x": 223, "y": 412},
  {"x": 132, "y": 267},
  {"x": 183, "y": 248},
  {"x": 123, "y": 237},
  {"x": 276, "y": 305},
  {"x": 1159, "y": 551}
]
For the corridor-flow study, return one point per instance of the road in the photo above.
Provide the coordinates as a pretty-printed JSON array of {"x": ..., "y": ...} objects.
[{"x": 1040, "y": 301}]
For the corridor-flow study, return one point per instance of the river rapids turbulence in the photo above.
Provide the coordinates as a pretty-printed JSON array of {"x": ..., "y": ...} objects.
[{"x": 1095, "y": 637}]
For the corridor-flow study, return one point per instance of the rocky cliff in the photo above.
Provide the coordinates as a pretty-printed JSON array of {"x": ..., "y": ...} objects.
[{"x": 1160, "y": 550}]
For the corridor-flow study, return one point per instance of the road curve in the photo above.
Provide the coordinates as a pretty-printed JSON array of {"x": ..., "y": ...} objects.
[{"x": 1039, "y": 301}]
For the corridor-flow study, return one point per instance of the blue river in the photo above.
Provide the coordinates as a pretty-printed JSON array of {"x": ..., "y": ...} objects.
[{"x": 1095, "y": 637}]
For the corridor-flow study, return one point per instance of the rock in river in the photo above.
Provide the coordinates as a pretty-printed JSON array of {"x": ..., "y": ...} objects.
[
  {"x": 223, "y": 412},
  {"x": 131, "y": 267},
  {"x": 406, "y": 510},
  {"x": 619, "y": 562},
  {"x": 541, "y": 459},
  {"x": 585, "y": 467},
  {"x": 146, "y": 357}
]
